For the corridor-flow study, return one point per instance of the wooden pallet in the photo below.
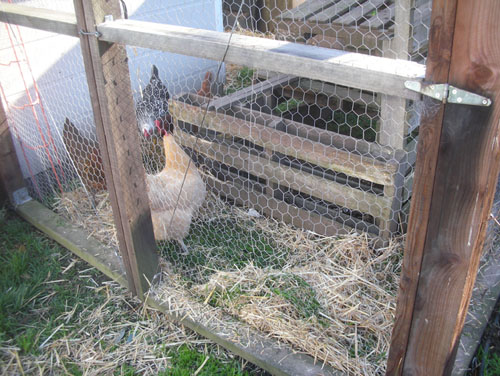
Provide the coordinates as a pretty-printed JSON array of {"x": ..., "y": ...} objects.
[
  {"x": 395, "y": 29},
  {"x": 357, "y": 25},
  {"x": 314, "y": 179}
]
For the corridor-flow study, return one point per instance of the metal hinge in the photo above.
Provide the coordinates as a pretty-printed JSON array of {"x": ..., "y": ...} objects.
[{"x": 447, "y": 93}]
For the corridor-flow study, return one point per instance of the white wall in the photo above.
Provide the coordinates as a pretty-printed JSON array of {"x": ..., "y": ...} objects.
[{"x": 56, "y": 65}]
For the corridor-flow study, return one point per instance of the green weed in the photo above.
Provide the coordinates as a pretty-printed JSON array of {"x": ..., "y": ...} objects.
[
  {"x": 186, "y": 361},
  {"x": 295, "y": 290},
  {"x": 354, "y": 125},
  {"x": 244, "y": 78},
  {"x": 288, "y": 105}
]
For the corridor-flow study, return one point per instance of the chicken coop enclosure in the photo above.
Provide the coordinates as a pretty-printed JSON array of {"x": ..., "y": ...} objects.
[{"x": 247, "y": 166}]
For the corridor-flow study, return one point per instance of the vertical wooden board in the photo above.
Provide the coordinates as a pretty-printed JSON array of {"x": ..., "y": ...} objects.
[
  {"x": 438, "y": 66},
  {"x": 467, "y": 172},
  {"x": 109, "y": 83},
  {"x": 11, "y": 178}
]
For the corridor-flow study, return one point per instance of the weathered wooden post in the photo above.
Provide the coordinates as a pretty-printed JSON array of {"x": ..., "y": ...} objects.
[
  {"x": 116, "y": 126},
  {"x": 456, "y": 173}
]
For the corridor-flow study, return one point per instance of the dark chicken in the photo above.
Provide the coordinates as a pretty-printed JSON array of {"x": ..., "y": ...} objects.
[
  {"x": 152, "y": 110},
  {"x": 86, "y": 157}
]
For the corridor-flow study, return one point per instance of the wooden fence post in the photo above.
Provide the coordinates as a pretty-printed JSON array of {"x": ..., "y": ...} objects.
[
  {"x": 455, "y": 179},
  {"x": 116, "y": 127},
  {"x": 11, "y": 178}
]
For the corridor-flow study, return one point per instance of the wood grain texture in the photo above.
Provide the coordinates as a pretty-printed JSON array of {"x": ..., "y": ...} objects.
[
  {"x": 363, "y": 167},
  {"x": 467, "y": 172},
  {"x": 109, "y": 84},
  {"x": 350, "y": 69},
  {"x": 11, "y": 177},
  {"x": 438, "y": 66},
  {"x": 38, "y": 18},
  {"x": 339, "y": 194}
]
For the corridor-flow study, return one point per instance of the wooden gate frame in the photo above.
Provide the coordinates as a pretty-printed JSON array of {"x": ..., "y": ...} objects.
[{"x": 457, "y": 164}]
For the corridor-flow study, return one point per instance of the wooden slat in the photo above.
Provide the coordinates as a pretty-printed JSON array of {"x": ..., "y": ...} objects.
[
  {"x": 334, "y": 12},
  {"x": 11, "y": 177},
  {"x": 338, "y": 194},
  {"x": 340, "y": 141},
  {"x": 382, "y": 18},
  {"x": 39, "y": 18},
  {"x": 355, "y": 14},
  {"x": 306, "y": 10},
  {"x": 349, "y": 69},
  {"x": 297, "y": 147},
  {"x": 279, "y": 210},
  {"x": 438, "y": 65},
  {"x": 251, "y": 91},
  {"x": 464, "y": 188},
  {"x": 113, "y": 106},
  {"x": 73, "y": 238}
]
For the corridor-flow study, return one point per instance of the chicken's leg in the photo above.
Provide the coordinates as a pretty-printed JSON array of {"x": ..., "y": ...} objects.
[{"x": 185, "y": 250}]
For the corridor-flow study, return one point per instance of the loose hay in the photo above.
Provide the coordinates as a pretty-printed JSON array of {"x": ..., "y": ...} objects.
[{"x": 331, "y": 297}]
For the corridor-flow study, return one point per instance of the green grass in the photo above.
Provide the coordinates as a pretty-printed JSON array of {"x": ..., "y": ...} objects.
[
  {"x": 40, "y": 282},
  {"x": 491, "y": 362},
  {"x": 297, "y": 292},
  {"x": 223, "y": 244},
  {"x": 31, "y": 299},
  {"x": 186, "y": 361}
]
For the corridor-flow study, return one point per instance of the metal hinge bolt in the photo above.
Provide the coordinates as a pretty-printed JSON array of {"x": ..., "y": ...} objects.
[{"x": 447, "y": 93}]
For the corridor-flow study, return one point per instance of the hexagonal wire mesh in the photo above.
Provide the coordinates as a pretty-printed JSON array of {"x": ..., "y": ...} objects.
[{"x": 251, "y": 174}]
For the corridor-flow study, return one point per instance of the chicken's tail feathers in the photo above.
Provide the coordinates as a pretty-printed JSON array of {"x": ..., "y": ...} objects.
[{"x": 70, "y": 127}]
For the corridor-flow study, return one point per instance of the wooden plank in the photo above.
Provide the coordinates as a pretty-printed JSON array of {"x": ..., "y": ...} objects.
[
  {"x": 306, "y": 10},
  {"x": 351, "y": 18},
  {"x": 250, "y": 91},
  {"x": 314, "y": 152},
  {"x": 11, "y": 177},
  {"x": 335, "y": 11},
  {"x": 338, "y": 194},
  {"x": 73, "y": 238},
  {"x": 363, "y": 37},
  {"x": 438, "y": 65},
  {"x": 279, "y": 210},
  {"x": 340, "y": 141},
  {"x": 461, "y": 200},
  {"x": 39, "y": 18},
  {"x": 353, "y": 95},
  {"x": 113, "y": 106},
  {"x": 348, "y": 69},
  {"x": 393, "y": 128},
  {"x": 383, "y": 19}
]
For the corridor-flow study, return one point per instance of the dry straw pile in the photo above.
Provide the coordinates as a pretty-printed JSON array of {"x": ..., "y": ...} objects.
[{"x": 332, "y": 297}]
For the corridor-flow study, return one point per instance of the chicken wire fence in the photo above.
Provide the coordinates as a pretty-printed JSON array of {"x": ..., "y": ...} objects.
[{"x": 266, "y": 190}]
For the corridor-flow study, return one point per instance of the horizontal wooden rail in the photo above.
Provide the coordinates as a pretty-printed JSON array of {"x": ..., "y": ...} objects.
[
  {"x": 345, "y": 68},
  {"x": 314, "y": 152},
  {"x": 261, "y": 167},
  {"x": 39, "y": 18}
]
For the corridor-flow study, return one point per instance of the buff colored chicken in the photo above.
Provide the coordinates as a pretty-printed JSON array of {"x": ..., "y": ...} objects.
[{"x": 174, "y": 194}]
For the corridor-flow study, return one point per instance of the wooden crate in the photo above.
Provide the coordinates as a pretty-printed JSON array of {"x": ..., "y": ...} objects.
[
  {"x": 354, "y": 25},
  {"x": 314, "y": 179}
]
